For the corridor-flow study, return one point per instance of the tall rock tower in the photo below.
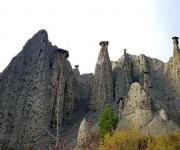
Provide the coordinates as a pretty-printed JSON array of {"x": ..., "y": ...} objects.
[
  {"x": 174, "y": 66},
  {"x": 176, "y": 50},
  {"x": 172, "y": 72},
  {"x": 103, "y": 89}
]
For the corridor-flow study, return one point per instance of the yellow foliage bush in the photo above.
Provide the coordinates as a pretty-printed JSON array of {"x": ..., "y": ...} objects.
[{"x": 132, "y": 139}]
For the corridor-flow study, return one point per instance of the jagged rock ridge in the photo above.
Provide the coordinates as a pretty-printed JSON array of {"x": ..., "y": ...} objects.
[{"x": 144, "y": 92}]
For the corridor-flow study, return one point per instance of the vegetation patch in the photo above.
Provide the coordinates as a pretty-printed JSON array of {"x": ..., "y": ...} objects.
[
  {"x": 132, "y": 139},
  {"x": 107, "y": 122}
]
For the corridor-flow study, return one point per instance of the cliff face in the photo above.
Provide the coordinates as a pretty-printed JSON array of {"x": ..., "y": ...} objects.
[
  {"x": 83, "y": 86},
  {"x": 160, "y": 83},
  {"x": 129, "y": 69},
  {"x": 39, "y": 83},
  {"x": 29, "y": 89},
  {"x": 103, "y": 86}
]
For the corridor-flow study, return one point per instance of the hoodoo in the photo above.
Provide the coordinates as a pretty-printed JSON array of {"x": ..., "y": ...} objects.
[{"x": 103, "y": 86}]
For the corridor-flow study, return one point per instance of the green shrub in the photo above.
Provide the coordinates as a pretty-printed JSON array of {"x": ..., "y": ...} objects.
[{"x": 107, "y": 122}]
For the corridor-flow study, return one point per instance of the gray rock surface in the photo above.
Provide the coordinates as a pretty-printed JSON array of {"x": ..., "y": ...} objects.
[
  {"x": 138, "y": 111},
  {"x": 122, "y": 74},
  {"x": 129, "y": 69},
  {"x": 157, "y": 79},
  {"x": 103, "y": 85},
  {"x": 137, "y": 107},
  {"x": 76, "y": 71},
  {"x": 83, "y": 133},
  {"x": 29, "y": 89},
  {"x": 83, "y": 87},
  {"x": 172, "y": 72}
]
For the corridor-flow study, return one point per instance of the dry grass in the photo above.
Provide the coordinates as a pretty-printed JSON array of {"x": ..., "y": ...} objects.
[
  {"x": 168, "y": 142},
  {"x": 132, "y": 139}
]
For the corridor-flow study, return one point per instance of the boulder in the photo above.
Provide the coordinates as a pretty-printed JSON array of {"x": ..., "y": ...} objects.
[{"x": 83, "y": 133}]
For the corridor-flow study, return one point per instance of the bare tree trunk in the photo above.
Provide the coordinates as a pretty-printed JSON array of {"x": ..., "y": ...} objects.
[{"x": 60, "y": 92}]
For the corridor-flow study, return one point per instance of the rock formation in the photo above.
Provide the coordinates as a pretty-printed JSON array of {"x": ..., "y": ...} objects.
[
  {"x": 29, "y": 89},
  {"x": 158, "y": 81},
  {"x": 83, "y": 132},
  {"x": 129, "y": 69},
  {"x": 122, "y": 74},
  {"x": 76, "y": 71},
  {"x": 138, "y": 106},
  {"x": 172, "y": 72},
  {"x": 103, "y": 86},
  {"x": 83, "y": 86},
  {"x": 138, "y": 111},
  {"x": 39, "y": 89}
]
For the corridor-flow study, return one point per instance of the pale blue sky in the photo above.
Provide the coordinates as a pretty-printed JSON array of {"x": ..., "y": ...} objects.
[{"x": 140, "y": 26}]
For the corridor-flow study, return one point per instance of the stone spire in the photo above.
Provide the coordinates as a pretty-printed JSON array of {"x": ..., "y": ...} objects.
[
  {"x": 176, "y": 45},
  {"x": 102, "y": 90},
  {"x": 173, "y": 68},
  {"x": 76, "y": 66},
  {"x": 83, "y": 133},
  {"x": 144, "y": 77}
]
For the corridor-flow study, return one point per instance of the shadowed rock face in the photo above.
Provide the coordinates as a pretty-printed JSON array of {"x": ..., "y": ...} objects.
[
  {"x": 103, "y": 88},
  {"x": 29, "y": 89},
  {"x": 83, "y": 86}
]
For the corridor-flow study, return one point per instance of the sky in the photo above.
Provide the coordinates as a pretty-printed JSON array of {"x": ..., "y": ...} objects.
[{"x": 140, "y": 26}]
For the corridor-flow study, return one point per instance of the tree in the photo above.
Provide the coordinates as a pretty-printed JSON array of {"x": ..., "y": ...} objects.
[{"x": 107, "y": 122}]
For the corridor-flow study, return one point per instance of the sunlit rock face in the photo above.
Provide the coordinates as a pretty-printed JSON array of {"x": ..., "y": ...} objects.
[
  {"x": 103, "y": 86},
  {"x": 83, "y": 133},
  {"x": 140, "y": 114},
  {"x": 138, "y": 106},
  {"x": 29, "y": 89}
]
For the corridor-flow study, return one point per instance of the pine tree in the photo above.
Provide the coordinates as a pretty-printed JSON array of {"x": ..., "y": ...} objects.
[{"x": 107, "y": 122}]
